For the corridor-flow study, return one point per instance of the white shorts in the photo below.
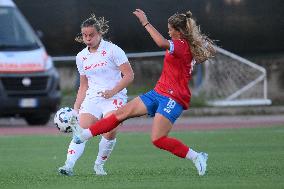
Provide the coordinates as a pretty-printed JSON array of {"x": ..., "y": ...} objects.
[{"x": 99, "y": 107}]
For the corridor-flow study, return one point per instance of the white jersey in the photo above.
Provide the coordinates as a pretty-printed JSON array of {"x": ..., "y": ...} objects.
[{"x": 102, "y": 68}]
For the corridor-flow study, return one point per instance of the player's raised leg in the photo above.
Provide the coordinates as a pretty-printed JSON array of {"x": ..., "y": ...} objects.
[{"x": 134, "y": 108}]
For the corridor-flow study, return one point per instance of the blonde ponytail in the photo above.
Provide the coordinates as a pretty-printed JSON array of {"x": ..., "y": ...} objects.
[{"x": 202, "y": 48}]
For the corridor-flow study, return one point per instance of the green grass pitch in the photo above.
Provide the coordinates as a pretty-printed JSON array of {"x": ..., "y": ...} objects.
[{"x": 238, "y": 158}]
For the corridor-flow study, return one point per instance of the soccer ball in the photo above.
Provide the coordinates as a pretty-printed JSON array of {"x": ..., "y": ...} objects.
[{"x": 62, "y": 117}]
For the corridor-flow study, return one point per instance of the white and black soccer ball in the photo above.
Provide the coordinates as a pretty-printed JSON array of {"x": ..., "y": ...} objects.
[{"x": 62, "y": 117}]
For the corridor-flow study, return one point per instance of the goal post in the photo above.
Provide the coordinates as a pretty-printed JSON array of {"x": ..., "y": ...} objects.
[{"x": 230, "y": 80}]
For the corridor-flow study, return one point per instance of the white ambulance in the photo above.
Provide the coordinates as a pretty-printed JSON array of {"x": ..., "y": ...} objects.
[{"x": 29, "y": 83}]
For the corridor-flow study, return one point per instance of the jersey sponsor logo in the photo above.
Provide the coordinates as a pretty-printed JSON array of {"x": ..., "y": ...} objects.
[
  {"x": 92, "y": 66},
  {"x": 170, "y": 105},
  {"x": 88, "y": 67}
]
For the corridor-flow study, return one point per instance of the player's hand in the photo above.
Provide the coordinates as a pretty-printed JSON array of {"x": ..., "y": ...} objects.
[
  {"x": 141, "y": 16},
  {"x": 107, "y": 94}
]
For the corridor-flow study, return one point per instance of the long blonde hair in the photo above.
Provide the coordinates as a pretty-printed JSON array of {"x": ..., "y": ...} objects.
[
  {"x": 100, "y": 24},
  {"x": 202, "y": 48}
]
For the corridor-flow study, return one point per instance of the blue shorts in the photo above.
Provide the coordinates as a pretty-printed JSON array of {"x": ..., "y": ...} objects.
[{"x": 163, "y": 105}]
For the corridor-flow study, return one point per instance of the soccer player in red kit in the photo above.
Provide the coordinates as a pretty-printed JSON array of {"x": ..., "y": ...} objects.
[{"x": 171, "y": 94}]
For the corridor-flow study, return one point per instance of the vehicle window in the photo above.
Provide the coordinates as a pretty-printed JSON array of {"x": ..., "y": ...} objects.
[{"x": 15, "y": 32}]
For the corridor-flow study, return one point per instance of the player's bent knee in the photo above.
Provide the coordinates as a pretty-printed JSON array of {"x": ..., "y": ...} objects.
[
  {"x": 122, "y": 114},
  {"x": 110, "y": 135}
]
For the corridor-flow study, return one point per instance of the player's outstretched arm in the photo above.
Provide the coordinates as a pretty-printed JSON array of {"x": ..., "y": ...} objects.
[{"x": 157, "y": 37}]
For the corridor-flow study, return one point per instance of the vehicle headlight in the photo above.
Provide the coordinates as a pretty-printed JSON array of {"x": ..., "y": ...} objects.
[{"x": 48, "y": 63}]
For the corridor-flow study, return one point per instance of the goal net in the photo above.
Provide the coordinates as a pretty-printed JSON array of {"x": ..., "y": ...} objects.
[{"x": 229, "y": 80}]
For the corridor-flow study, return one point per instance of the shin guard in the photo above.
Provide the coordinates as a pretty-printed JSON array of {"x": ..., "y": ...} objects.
[{"x": 172, "y": 145}]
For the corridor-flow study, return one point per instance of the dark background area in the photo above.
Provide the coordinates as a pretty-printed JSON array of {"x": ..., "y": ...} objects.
[{"x": 241, "y": 26}]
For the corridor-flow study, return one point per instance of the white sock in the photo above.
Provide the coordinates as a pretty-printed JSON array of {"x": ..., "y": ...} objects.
[
  {"x": 86, "y": 134},
  {"x": 105, "y": 149},
  {"x": 74, "y": 153},
  {"x": 191, "y": 154}
]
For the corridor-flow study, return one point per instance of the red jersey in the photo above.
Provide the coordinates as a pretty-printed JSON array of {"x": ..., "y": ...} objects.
[{"x": 176, "y": 74}]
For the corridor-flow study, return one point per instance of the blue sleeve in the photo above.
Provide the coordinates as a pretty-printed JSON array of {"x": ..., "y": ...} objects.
[{"x": 172, "y": 47}]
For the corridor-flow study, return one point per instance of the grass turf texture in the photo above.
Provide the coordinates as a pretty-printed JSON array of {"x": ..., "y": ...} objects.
[{"x": 238, "y": 158}]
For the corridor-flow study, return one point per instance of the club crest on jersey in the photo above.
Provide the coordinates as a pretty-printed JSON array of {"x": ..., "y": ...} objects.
[{"x": 104, "y": 53}]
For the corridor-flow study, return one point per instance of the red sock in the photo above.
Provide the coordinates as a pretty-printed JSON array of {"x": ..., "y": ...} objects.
[
  {"x": 104, "y": 125},
  {"x": 172, "y": 145}
]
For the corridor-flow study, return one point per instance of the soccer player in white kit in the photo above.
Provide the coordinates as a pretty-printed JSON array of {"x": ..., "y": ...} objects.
[{"x": 105, "y": 73}]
